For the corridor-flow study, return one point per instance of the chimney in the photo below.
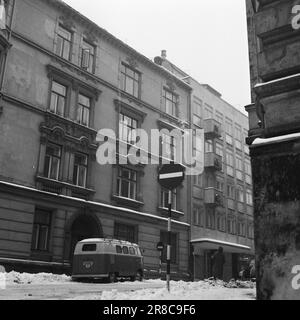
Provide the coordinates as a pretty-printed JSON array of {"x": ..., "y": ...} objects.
[{"x": 164, "y": 54}]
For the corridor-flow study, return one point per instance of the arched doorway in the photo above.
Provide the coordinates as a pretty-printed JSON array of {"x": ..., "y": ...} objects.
[{"x": 82, "y": 226}]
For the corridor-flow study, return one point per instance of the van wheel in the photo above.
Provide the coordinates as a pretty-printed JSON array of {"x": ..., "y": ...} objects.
[
  {"x": 112, "y": 278},
  {"x": 138, "y": 276}
]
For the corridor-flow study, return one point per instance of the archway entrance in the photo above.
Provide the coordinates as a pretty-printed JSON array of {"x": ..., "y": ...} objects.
[{"x": 84, "y": 226}]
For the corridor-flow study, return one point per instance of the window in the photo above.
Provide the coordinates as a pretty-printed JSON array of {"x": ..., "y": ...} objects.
[
  {"x": 198, "y": 144},
  {"x": 130, "y": 80},
  {"x": 58, "y": 98},
  {"x": 210, "y": 218},
  {"x": 249, "y": 197},
  {"x": 164, "y": 199},
  {"x": 230, "y": 192},
  {"x": 127, "y": 183},
  {"x": 240, "y": 194},
  {"x": 52, "y": 161},
  {"x": 125, "y": 232},
  {"x": 164, "y": 239},
  {"x": 89, "y": 247},
  {"x": 230, "y": 163},
  {"x": 87, "y": 56},
  {"x": 132, "y": 251},
  {"x": 248, "y": 167},
  {"x": 119, "y": 249},
  {"x": 231, "y": 225},
  {"x": 219, "y": 152},
  {"x": 127, "y": 125},
  {"x": 208, "y": 112},
  {"x": 170, "y": 103},
  {"x": 198, "y": 216},
  {"x": 125, "y": 250},
  {"x": 241, "y": 229},
  {"x": 229, "y": 133},
  {"x": 198, "y": 180},
  {"x": 238, "y": 137},
  {"x": 83, "y": 111},
  {"x": 80, "y": 170},
  {"x": 220, "y": 184},
  {"x": 221, "y": 223},
  {"x": 197, "y": 114},
  {"x": 219, "y": 117},
  {"x": 209, "y": 146},
  {"x": 169, "y": 146},
  {"x": 64, "y": 40},
  {"x": 250, "y": 230},
  {"x": 239, "y": 167},
  {"x": 41, "y": 230}
]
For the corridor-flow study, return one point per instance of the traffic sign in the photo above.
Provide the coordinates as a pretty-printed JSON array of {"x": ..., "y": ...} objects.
[{"x": 171, "y": 176}]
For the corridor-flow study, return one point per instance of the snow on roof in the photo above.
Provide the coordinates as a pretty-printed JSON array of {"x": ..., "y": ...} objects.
[
  {"x": 146, "y": 215},
  {"x": 100, "y": 240},
  {"x": 261, "y": 141}
]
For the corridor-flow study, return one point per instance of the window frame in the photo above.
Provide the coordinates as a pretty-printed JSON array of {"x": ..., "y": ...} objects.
[
  {"x": 64, "y": 40},
  {"x": 79, "y": 165},
  {"x": 173, "y": 101},
  {"x": 136, "y": 80},
  {"x": 49, "y": 165},
  {"x": 130, "y": 181},
  {"x": 35, "y": 243}
]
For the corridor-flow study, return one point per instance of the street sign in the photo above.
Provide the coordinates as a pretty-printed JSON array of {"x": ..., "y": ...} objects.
[
  {"x": 171, "y": 176},
  {"x": 160, "y": 246}
]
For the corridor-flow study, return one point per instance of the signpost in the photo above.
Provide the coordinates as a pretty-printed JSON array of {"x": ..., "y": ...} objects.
[
  {"x": 170, "y": 177},
  {"x": 160, "y": 247}
]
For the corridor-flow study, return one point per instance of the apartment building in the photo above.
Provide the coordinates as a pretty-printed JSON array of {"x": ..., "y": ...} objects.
[
  {"x": 221, "y": 197},
  {"x": 63, "y": 78}
]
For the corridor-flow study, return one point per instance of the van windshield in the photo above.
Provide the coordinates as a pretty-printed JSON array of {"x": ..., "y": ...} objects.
[
  {"x": 89, "y": 247},
  {"x": 132, "y": 251}
]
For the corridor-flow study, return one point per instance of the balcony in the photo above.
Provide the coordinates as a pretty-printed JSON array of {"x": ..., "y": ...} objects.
[
  {"x": 212, "y": 129},
  {"x": 213, "y": 197},
  {"x": 213, "y": 161}
]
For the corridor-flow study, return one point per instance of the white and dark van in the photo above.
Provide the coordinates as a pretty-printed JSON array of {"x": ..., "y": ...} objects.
[{"x": 107, "y": 259}]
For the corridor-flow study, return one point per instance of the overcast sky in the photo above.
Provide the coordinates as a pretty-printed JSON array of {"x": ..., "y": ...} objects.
[{"x": 205, "y": 38}]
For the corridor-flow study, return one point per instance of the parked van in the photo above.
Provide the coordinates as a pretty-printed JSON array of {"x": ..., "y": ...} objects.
[{"x": 107, "y": 259}]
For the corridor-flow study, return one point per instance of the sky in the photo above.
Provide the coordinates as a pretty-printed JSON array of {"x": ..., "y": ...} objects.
[{"x": 205, "y": 38}]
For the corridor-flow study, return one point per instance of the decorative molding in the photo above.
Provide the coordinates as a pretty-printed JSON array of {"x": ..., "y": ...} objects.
[
  {"x": 132, "y": 111},
  {"x": 132, "y": 62},
  {"x": 171, "y": 86},
  {"x": 68, "y": 133},
  {"x": 67, "y": 22},
  {"x": 76, "y": 82}
]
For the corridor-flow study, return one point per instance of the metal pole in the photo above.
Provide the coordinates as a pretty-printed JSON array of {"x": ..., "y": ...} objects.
[{"x": 169, "y": 242}]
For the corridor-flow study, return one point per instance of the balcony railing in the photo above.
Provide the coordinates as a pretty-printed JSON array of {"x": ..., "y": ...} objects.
[
  {"x": 212, "y": 128},
  {"x": 213, "y": 197},
  {"x": 213, "y": 161}
]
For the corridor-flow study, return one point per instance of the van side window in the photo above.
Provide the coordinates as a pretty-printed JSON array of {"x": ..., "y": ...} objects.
[
  {"x": 131, "y": 251},
  {"x": 125, "y": 250},
  {"x": 89, "y": 247},
  {"x": 119, "y": 249}
]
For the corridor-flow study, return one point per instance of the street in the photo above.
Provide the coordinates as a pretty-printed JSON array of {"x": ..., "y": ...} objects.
[{"x": 22, "y": 286}]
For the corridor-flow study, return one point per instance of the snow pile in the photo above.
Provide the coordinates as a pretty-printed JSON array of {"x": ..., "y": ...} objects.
[
  {"x": 202, "y": 290},
  {"x": 39, "y": 278}
]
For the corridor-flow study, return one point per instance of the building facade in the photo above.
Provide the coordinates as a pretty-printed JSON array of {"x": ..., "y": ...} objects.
[
  {"x": 274, "y": 118},
  {"x": 63, "y": 78},
  {"x": 221, "y": 198}
]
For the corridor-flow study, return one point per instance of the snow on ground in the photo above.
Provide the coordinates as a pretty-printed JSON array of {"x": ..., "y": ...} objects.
[
  {"x": 39, "y": 278},
  {"x": 180, "y": 290}
]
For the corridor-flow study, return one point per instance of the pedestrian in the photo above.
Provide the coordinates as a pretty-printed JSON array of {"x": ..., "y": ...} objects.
[{"x": 218, "y": 264}]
